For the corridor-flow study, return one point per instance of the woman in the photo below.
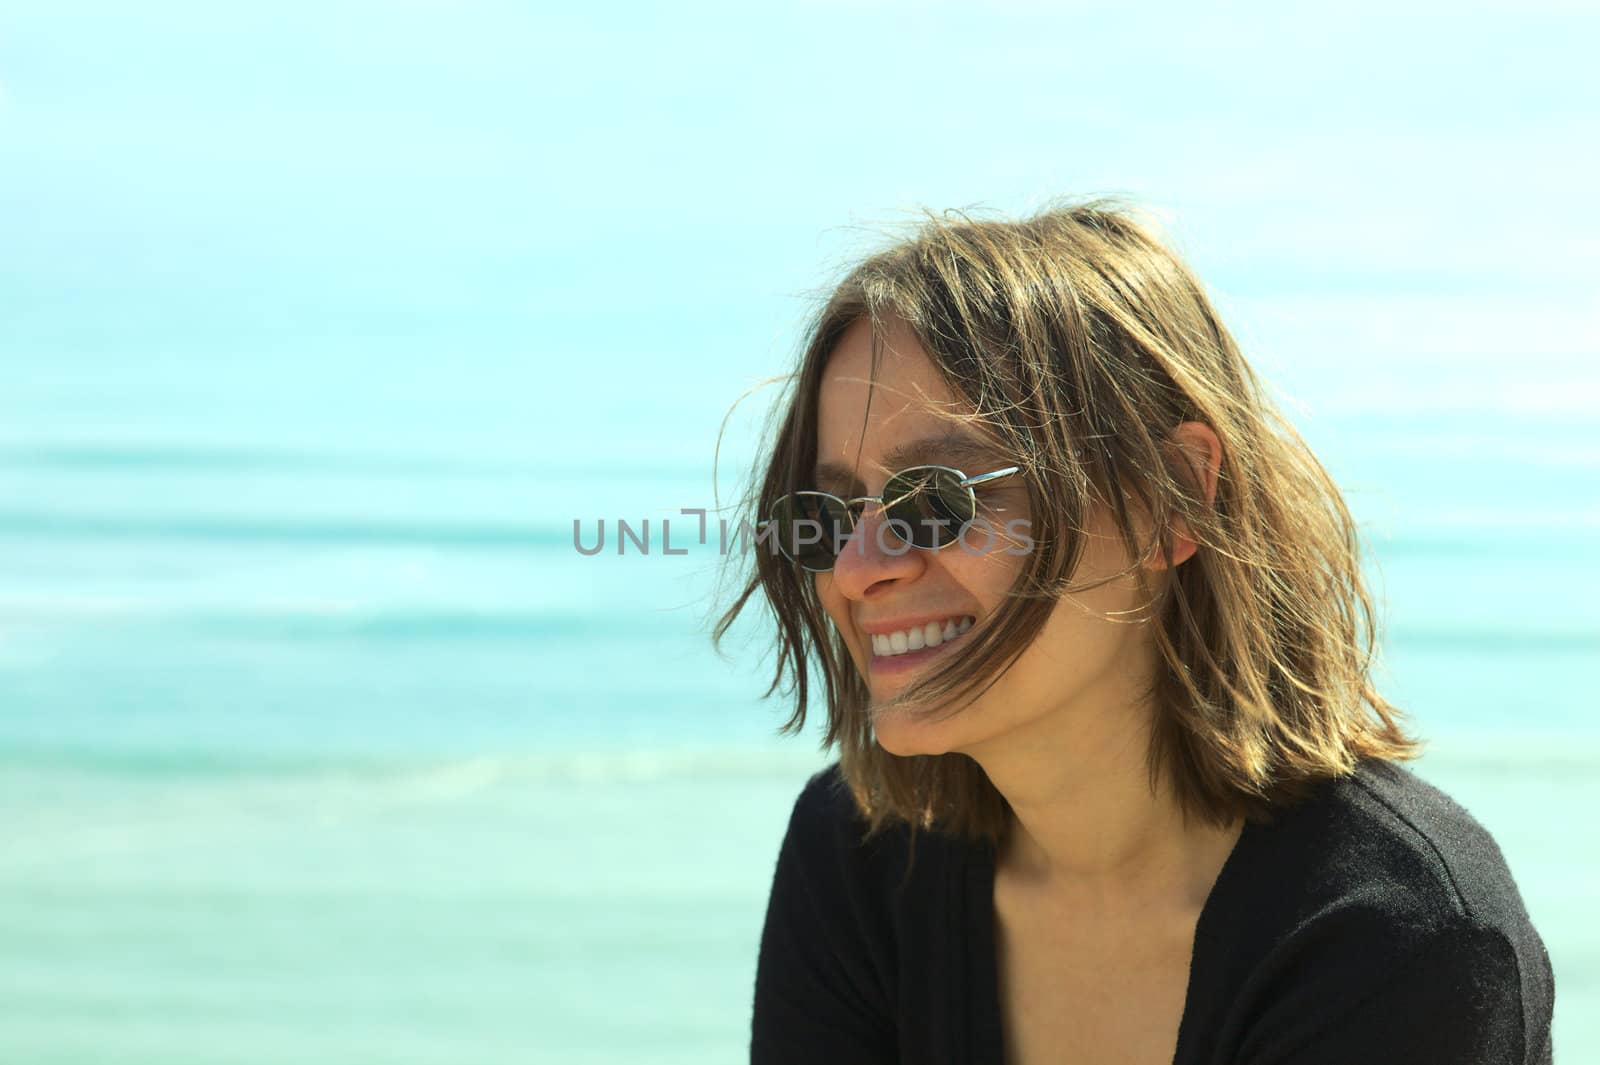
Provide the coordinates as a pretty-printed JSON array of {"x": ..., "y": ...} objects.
[{"x": 1113, "y": 783}]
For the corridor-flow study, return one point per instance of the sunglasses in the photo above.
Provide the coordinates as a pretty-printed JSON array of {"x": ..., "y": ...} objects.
[{"x": 927, "y": 507}]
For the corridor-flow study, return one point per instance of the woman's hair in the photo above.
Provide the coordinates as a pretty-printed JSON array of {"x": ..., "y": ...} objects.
[{"x": 1079, "y": 341}]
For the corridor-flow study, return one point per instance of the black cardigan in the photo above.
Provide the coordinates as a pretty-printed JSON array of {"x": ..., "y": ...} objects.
[{"x": 1374, "y": 923}]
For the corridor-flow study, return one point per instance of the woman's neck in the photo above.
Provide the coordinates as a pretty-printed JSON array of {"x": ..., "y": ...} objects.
[{"x": 1087, "y": 825}]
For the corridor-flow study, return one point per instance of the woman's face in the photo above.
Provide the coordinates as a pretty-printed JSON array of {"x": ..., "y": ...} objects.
[{"x": 1083, "y": 664}]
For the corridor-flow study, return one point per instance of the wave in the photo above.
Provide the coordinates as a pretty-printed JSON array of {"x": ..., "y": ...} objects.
[
  {"x": 1531, "y": 752},
  {"x": 336, "y": 622},
  {"x": 339, "y": 532},
  {"x": 1496, "y": 639},
  {"x": 1533, "y": 535},
  {"x": 542, "y": 535},
  {"x": 179, "y": 459},
  {"x": 579, "y": 766}
]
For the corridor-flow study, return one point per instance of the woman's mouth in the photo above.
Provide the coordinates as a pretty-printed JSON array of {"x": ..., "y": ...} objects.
[{"x": 897, "y": 652}]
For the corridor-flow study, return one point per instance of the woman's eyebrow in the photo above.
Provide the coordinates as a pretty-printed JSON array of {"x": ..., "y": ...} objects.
[{"x": 930, "y": 450}]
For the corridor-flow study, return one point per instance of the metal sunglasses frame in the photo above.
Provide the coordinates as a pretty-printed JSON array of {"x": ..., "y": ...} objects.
[{"x": 963, "y": 481}]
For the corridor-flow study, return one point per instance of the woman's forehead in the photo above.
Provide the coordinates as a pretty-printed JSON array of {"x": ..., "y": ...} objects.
[
  {"x": 906, "y": 397},
  {"x": 904, "y": 425},
  {"x": 942, "y": 445}
]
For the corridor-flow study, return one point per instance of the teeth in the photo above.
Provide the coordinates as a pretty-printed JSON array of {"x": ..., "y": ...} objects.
[{"x": 932, "y": 634}]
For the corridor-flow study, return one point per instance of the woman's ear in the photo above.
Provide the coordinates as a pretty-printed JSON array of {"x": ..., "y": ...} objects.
[{"x": 1199, "y": 452}]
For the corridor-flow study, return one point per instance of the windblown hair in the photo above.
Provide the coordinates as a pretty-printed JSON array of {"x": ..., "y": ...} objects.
[{"x": 1079, "y": 341}]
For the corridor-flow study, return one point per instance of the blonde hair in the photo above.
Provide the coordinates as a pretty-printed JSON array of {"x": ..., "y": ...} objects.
[{"x": 1080, "y": 340}]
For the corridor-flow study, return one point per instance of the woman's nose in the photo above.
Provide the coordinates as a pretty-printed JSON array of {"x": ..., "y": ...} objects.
[{"x": 872, "y": 554}]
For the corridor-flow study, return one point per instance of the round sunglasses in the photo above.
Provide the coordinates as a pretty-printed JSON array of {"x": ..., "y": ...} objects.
[{"x": 927, "y": 507}]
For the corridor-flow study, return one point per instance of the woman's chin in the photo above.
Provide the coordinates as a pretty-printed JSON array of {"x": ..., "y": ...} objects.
[{"x": 903, "y": 732}]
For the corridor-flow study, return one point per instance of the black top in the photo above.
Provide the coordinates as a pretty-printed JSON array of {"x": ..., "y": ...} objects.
[{"x": 1374, "y": 923}]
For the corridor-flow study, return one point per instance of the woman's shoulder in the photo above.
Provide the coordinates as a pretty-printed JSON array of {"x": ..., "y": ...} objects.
[
  {"x": 825, "y": 818},
  {"x": 1421, "y": 837},
  {"x": 1387, "y": 838},
  {"x": 830, "y": 834},
  {"x": 827, "y": 822},
  {"x": 1382, "y": 852},
  {"x": 825, "y": 798},
  {"x": 1376, "y": 899}
]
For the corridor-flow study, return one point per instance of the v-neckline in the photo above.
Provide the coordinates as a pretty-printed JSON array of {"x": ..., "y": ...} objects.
[{"x": 985, "y": 1034}]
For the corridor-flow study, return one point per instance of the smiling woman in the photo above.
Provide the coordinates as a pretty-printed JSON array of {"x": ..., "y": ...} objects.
[{"x": 1091, "y": 623}]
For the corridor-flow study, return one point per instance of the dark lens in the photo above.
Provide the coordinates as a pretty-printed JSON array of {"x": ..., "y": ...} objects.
[
  {"x": 810, "y": 527},
  {"x": 931, "y": 503}
]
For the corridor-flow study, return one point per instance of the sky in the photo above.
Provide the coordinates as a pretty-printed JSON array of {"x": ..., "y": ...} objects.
[{"x": 434, "y": 230}]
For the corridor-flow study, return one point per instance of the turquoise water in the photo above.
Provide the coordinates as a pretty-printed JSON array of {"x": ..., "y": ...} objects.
[
  {"x": 321, "y": 325},
  {"x": 352, "y": 756}
]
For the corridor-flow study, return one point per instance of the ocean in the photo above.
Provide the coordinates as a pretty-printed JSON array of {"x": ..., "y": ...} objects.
[{"x": 349, "y": 754}]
